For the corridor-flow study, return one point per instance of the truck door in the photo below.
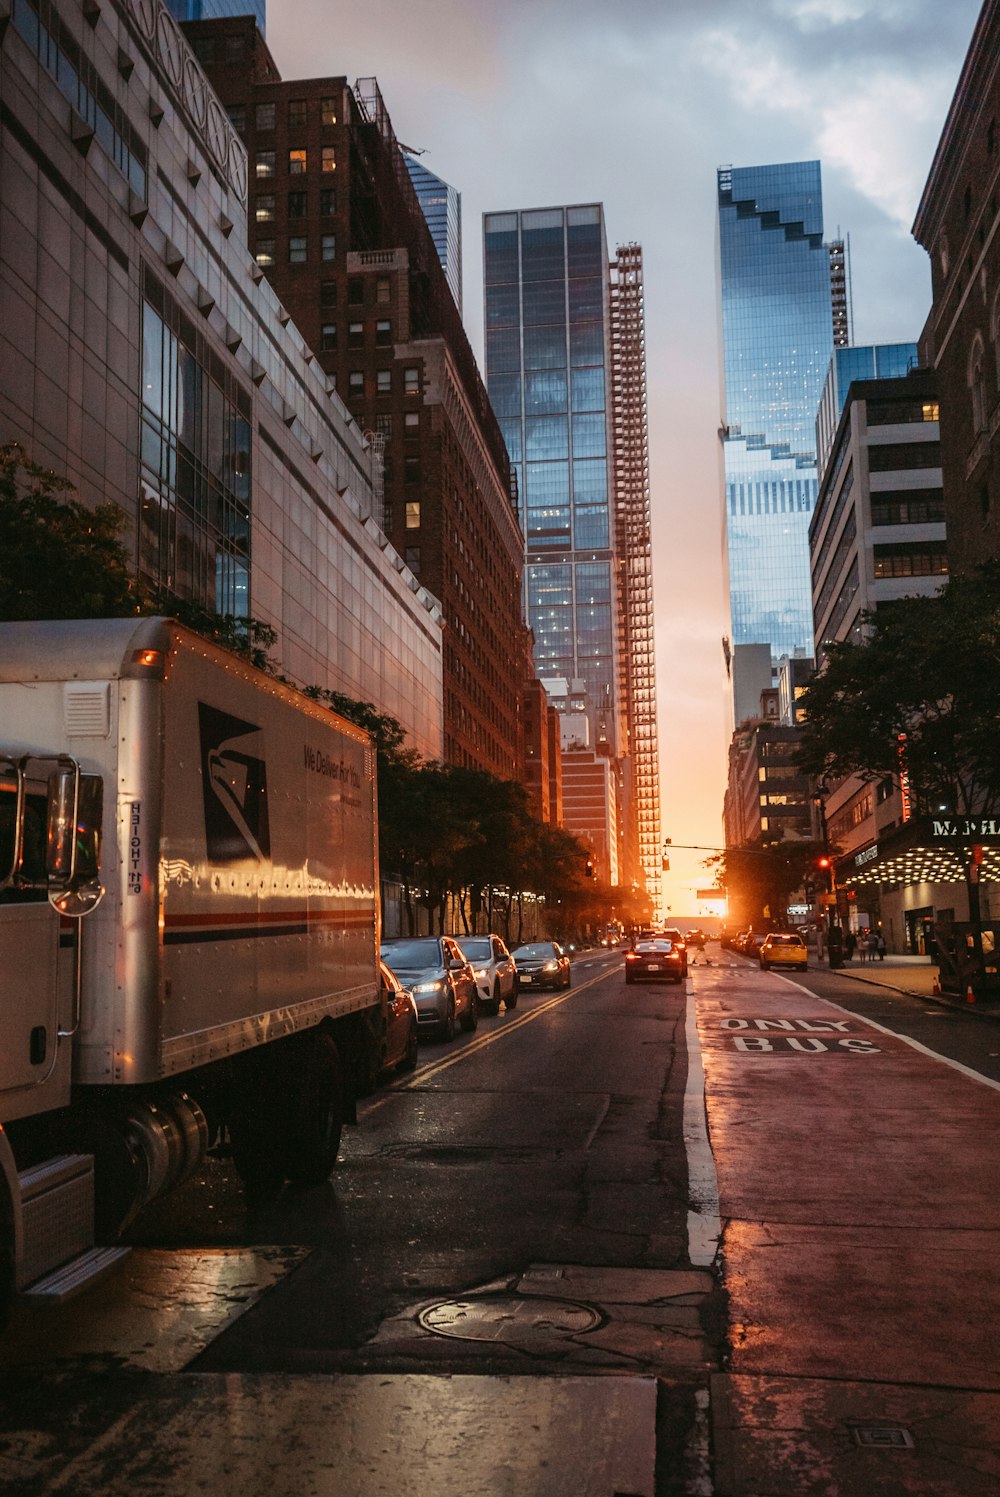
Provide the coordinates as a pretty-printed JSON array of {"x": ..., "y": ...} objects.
[{"x": 29, "y": 949}]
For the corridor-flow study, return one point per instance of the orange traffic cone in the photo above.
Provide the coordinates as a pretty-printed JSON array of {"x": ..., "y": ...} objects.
[
  {"x": 970, "y": 996},
  {"x": 936, "y": 986}
]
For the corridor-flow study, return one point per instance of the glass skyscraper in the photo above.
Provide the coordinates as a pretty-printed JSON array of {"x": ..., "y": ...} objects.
[
  {"x": 777, "y": 339},
  {"x": 213, "y": 10},
  {"x": 547, "y": 357},
  {"x": 441, "y": 205}
]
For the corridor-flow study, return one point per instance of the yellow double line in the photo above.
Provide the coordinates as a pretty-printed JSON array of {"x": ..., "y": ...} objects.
[{"x": 427, "y": 1073}]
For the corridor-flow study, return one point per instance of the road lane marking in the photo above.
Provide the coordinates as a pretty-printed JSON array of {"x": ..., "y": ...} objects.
[
  {"x": 427, "y": 1073},
  {"x": 703, "y": 1223}
]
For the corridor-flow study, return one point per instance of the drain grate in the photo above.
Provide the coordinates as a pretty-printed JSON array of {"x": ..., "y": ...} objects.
[
  {"x": 522, "y": 1321},
  {"x": 883, "y": 1437}
]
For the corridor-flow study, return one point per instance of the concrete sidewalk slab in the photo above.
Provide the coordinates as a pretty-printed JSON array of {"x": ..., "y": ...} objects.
[{"x": 813, "y": 1438}]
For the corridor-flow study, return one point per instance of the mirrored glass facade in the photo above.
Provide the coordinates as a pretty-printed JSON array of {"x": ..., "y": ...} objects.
[
  {"x": 547, "y": 363},
  {"x": 213, "y": 10},
  {"x": 442, "y": 208},
  {"x": 777, "y": 339}
]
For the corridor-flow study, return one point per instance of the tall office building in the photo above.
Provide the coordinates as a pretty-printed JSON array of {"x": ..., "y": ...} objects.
[
  {"x": 565, "y": 366},
  {"x": 214, "y": 10},
  {"x": 776, "y": 286},
  {"x": 442, "y": 207}
]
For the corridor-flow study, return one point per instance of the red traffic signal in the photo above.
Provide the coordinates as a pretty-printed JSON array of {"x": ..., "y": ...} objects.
[{"x": 822, "y": 862}]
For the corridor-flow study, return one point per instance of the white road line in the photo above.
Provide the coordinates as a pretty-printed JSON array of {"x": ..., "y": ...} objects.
[
  {"x": 956, "y": 1065},
  {"x": 703, "y": 1222}
]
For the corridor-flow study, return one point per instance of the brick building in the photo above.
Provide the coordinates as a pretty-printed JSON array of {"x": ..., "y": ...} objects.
[
  {"x": 957, "y": 224},
  {"x": 336, "y": 227}
]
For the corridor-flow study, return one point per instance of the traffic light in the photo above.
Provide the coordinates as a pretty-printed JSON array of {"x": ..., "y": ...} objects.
[
  {"x": 823, "y": 862},
  {"x": 589, "y": 870}
]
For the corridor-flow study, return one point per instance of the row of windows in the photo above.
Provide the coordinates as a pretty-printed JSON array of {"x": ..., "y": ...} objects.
[
  {"x": 265, "y": 163},
  {"x": 358, "y": 335},
  {"x": 356, "y": 380},
  {"x": 265, "y": 115},
  {"x": 896, "y": 456},
  {"x": 297, "y": 250},
  {"x": 908, "y": 507},
  {"x": 900, "y": 412},
  {"x": 265, "y": 205},
  {"x": 911, "y": 559}
]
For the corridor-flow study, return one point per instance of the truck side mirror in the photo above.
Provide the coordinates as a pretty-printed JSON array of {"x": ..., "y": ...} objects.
[{"x": 73, "y": 840}]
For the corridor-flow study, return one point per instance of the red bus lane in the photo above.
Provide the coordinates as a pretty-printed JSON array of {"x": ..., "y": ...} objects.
[{"x": 857, "y": 1182}]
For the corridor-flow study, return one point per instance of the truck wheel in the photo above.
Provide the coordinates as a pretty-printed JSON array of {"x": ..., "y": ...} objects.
[
  {"x": 311, "y": 1135},
  {"x": 254, "y": 1136}
]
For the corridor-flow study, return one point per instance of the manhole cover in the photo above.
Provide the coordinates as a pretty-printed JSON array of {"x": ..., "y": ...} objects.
[
  {"x": 883, "y": 1437},
  {"x": 530, "y": 1321}
]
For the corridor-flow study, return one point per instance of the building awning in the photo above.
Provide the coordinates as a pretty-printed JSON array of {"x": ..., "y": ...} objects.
[{"x": 926, "y": 850}]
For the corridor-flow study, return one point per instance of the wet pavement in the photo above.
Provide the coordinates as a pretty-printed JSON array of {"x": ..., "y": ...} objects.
[{"x": 857, "y": 1187}]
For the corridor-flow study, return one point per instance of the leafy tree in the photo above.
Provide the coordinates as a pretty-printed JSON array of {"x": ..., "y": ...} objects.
[
  {"x": 761, "y": 879},
  {"x": 58, "y": 559},
  {"x": 922, "y": 688},
  {"x": 920, "y": 691}
]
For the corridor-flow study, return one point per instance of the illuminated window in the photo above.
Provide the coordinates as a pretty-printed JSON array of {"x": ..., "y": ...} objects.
[
  {"x": 297, "y": 163},
  {"x": 328, "y": 111},
  {"x": 263, "y": 164},
  {"x": 411, "y": 381},
  {"x": 264, "y": 209},
  {"x": 413, "y": 514},
  {"x": 264, "y": 253},
  {"x": 328, "y": 159}
]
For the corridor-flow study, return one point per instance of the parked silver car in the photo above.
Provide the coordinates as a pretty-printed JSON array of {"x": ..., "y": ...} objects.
[
  {"x": 440, "y": 979},
  {"x": 496, "y": 974}
]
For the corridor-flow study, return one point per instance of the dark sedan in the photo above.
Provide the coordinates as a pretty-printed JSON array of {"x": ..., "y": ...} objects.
[
  {"x": 542, "y": 964},
  {"x": 659, "y": 960}
]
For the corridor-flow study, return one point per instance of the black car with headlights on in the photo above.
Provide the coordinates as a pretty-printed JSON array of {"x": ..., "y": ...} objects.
[
  {"x": 442, "y": 982},
  {"x": 659, "y": 960},
  {"x": 542, "y": 964}
]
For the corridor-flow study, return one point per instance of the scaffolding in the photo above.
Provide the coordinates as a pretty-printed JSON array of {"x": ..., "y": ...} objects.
[{"x": 630, "y": 437}]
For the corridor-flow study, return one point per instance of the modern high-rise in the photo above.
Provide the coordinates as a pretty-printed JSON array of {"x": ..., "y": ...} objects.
[
  {"x": 442, "y": 208},
  {"x": 213, "y": 10},
  {"x": 565, "y": 366},
  {"x": 777, "y": 287}
]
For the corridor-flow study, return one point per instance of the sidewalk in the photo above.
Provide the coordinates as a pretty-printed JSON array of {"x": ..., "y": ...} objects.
[{"x": 915, "y": 975}]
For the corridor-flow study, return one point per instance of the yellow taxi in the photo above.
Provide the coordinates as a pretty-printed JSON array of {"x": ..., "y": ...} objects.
[{"x": 784, "y": 948}]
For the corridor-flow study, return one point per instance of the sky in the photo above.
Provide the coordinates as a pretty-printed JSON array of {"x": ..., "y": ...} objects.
[{"x": 531, "y": 103}]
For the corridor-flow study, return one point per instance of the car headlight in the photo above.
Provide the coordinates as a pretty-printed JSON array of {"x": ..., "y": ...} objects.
[
  {"x": 482, "y": 972},
  {"x": 429, "y": 987},
  {"x": 551, "y": 967}
]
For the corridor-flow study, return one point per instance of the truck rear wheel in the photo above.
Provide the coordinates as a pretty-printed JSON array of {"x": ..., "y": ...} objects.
[{"x": 311, "y": 1134}]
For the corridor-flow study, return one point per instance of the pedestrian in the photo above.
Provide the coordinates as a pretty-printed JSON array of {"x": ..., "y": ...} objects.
[
  {"x": 872, "y": 944},
  {"x": 850, "y": 943},
  {"x": 881, "y": 947},
  {"x": 863, "y": 947}
]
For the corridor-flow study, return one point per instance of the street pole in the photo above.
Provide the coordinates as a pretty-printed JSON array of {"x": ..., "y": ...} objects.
[{"x": 834, "y": 933}]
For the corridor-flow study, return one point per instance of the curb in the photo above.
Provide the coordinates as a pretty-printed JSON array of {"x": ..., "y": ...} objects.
[{"x": 971, "y": 1009}]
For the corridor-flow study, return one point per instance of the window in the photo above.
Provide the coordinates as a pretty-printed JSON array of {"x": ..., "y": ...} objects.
[
  {"x": 383, "y": 425},
  {"x": 355, "y": 335},
  {"x": 977, "y": 385},
  {"x": 413, "y": 514},
  {"x": 234, "y": 49},
  {"x": 328, "y": 294},
  {"x": 264, "y": 254},
  {"x": 383, "y": 334},
  {"x": 297, "y": 114},
  {"x": 297, "y": 204},
  {"x": 383, "y": 289},
  {"x": 328, "y": 159},
  {"x": 328, "y": 201},
  {"x": 328, "y": 111},
  {"x": 411, "y": 469},
  {"x": 264, "y": 116},
  {"x": 328, "y": 337},
  {"x": 263, "y": 163},
  {"x": 297, "y": 249},
  {"x": 264, "y": 208},
  {"x": 238, "y": 117},
  {"x": 411, "y": 381},
  {"x": 911, "y": 559},
  {"x": 356, "y": 291},
  {"x": 383, "y": 381},
  {"x": 411, "y": 420},
  {"x": 297, "y": 163},
  {"x": 356, "y": 382},
  {"x": 412, "y": 558},
  {"x": 328, "y": 247}
]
